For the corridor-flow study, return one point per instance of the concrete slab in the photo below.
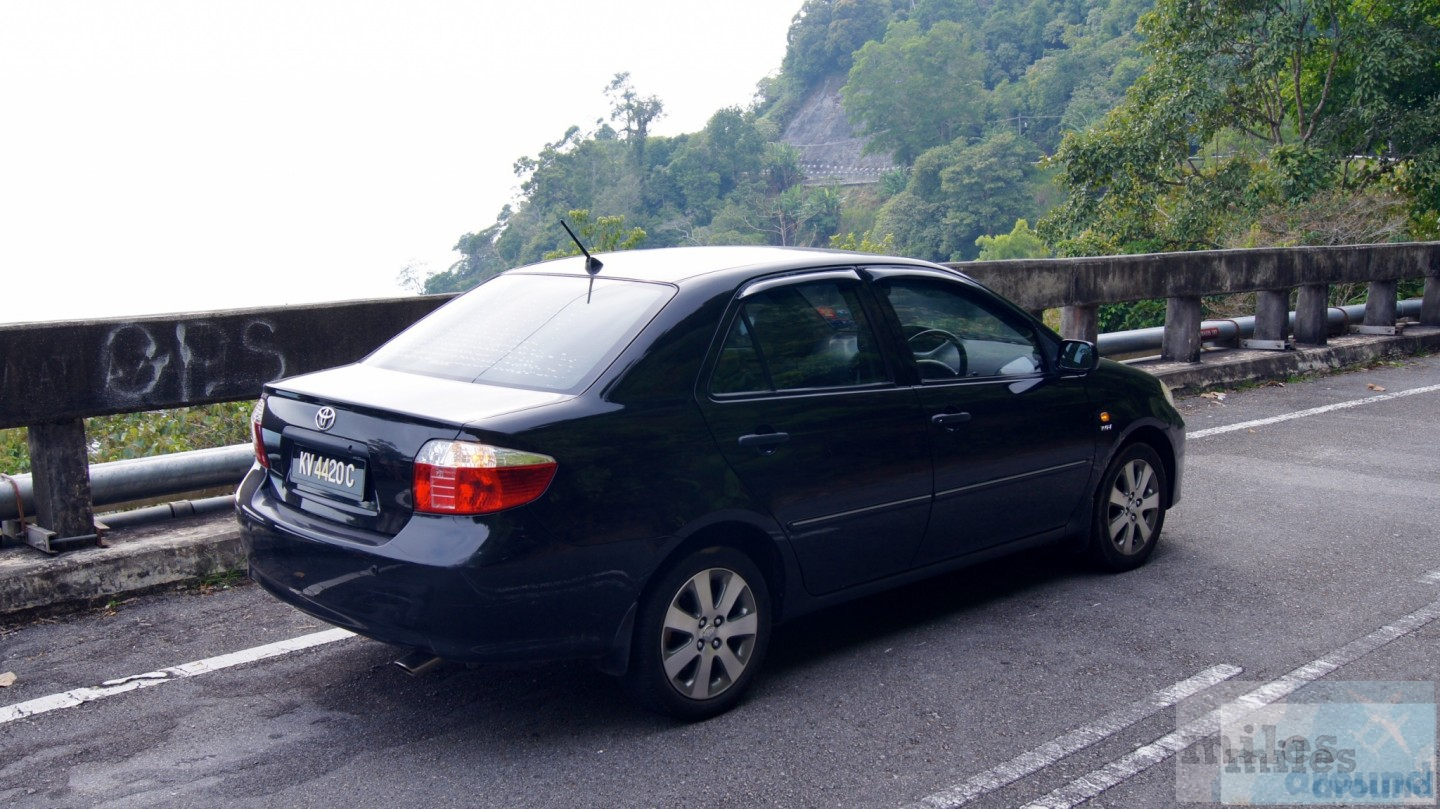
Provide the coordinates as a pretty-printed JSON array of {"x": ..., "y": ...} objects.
[
  {"x": 138, "y": 559},
  {"x": 1236, "y": 366}
]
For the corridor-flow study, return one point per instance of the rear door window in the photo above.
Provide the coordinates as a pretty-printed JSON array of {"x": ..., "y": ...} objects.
[
  {"x": 799, "y": 336},
  {"x": 548, "y": 332}
]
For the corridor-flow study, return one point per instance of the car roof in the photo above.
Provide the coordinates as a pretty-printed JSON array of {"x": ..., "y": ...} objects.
[{"x": 676, "y": 265}]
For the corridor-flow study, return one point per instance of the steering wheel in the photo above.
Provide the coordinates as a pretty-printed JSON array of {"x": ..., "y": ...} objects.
[{"x": 948, "y": 353}]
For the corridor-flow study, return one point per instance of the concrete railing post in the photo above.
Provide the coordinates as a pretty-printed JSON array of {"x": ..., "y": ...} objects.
[
  {"x": 1272, "y": 320},
  {"x": 1430, "y": 306},
  {"x": 1380, "y": 308},
  {"x": 1311, "y": 315},
  {"x": 60, "y": 477},
  {"x": 1181, "y": 341},
  {"x": 1080, "y": 322}
]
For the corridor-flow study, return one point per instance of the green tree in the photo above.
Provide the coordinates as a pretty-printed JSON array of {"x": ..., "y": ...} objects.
[
  {"x": 634, "y": 113},
  {"x": 781, "y": 168},
  {"x": 866, "y": 243},
  {"x": 1014, "y": 37},
  {"x": 826, "y": 33},
  {"x": 958, "y": 193},
  {"x": 917, "y": 89},
  {"x": 1020, "y": 242},
  {"x": 479, "y": 259},
  {"x": 601, "y": 234},
  {"x": 716, "y": 162},
  {"x": 917, "y": 226},
  {"x": 1087, "y": 65},
  {"x": 631, "y": 110},
  {"x": 798, "y": 216},
  {"x": 1251, "y": 107},
  {"x": 987, "y": 185}
]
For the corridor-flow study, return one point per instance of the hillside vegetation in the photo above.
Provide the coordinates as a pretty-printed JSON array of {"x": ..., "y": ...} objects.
[
  {"x": 988, "y": 88},
  {"x": 1112, "y": 125}
]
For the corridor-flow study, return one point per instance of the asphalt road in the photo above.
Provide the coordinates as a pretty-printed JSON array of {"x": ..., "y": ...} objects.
[{"x": 1306, "y": 545}]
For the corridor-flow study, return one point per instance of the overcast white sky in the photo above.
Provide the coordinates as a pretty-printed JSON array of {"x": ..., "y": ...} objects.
[{"x": 180, "y": 155}]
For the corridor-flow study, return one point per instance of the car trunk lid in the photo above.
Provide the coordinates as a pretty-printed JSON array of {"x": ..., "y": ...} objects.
[{"x": 342, "y": 442}]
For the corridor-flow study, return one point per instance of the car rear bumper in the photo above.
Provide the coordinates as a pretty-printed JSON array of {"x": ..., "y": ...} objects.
[{"x": 428, "y": 589}]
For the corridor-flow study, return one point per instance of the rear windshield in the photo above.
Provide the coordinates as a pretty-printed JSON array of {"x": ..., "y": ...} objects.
[{"x": 546, "y": 332}]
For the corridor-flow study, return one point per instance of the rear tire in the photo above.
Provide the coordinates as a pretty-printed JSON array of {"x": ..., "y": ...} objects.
[
  {"x": 1129, "y": 509},
  {"x": 700, "y": 635}
]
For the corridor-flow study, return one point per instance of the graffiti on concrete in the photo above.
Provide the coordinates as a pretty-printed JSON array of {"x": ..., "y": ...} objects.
[
  {"x": 53, "y": 372},
  {"x": 190, "y": 360}
]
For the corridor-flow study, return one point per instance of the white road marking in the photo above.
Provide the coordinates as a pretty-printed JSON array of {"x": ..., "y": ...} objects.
[
  {"x": 109, "y": 688},
  {"x": 1146, "y": 756},
  {"x": 1076, "y": 740},
  {"x": 1078, "y": 791},
  {"x": 1314, "y": 411}
]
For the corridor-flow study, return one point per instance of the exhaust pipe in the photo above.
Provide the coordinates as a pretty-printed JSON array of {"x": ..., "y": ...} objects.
[{"x": 418, "y": 662}]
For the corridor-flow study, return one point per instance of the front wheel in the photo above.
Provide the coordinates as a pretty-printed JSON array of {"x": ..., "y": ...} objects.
[
  {"x": 700, "y": 635},
  {"x": 1130, "y": 509}
]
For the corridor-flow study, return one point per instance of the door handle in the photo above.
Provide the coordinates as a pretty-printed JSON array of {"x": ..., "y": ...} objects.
[
  {"x": 764, "y": 443},
  {"x": 949, "y": 421}
]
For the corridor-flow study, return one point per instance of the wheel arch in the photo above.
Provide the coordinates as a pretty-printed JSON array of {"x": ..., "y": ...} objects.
[
  {"x": 760, "y": 545},
  {"x": 1152, "y": 436},
  {"x": 746, "y": 537},
  {"x": 1155, "y": 438},
  {"x": 1099, "y": 545}
]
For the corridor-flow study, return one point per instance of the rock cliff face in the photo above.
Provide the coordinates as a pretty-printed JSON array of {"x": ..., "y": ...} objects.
[{"x": 830, "y": 151}]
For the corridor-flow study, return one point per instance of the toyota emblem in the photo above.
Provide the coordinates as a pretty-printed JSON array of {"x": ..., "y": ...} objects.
[{"x": 325, "y": 418}]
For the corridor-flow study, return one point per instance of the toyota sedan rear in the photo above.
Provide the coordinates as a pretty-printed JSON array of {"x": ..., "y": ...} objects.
[{"x": 650, "y": 459}]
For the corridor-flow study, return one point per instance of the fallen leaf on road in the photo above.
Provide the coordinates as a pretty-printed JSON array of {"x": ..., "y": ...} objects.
[
  {"x": 7, "y": 679},
  {"x": 1373, "y": 386}
]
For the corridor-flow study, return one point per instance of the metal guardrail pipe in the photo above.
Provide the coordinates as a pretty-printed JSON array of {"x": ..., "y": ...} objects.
[
  {"x": 167, "y": 511},
  {"x": 142, "y": 478},
  {"x": 1223, "y": 331}
]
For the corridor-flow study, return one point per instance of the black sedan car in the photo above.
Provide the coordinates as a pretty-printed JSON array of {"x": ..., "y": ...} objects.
[{"x": 650, "y": 458}]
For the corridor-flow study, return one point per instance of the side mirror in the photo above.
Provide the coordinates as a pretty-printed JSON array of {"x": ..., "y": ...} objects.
[{"x": 1077, "y": 358}]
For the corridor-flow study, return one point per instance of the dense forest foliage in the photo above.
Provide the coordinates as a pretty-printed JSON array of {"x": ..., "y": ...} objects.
[
  {"x": 988, "y": 90},
  {"x": 1280, "y": 122},
  {"x": 1113, "y": 125}
]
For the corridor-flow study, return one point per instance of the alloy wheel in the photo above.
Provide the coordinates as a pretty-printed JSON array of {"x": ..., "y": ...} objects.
[
  {"x": 708, "y": 634},
  {"x": 1134, "y": 507}
]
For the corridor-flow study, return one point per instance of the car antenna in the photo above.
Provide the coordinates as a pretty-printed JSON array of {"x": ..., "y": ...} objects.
[{"x": 592, "y": 264}]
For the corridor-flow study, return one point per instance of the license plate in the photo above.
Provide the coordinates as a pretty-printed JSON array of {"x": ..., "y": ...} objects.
[{"x": 340, "y": 476}]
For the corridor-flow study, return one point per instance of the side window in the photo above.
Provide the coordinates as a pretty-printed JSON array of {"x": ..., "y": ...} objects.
[
  {"x": 796, "y": 337},
  {"x": 954, "y": 333}
]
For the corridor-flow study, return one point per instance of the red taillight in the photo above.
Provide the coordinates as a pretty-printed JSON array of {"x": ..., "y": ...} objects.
[
  {"x": 257, "y": 415},
  {"x": 463, "y": 477}
]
